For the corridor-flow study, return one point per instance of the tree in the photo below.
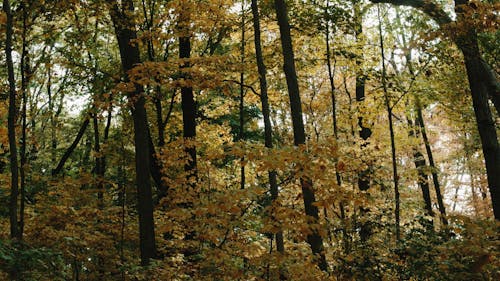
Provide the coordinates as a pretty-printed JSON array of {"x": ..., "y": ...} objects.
[
  {"x": 188, "y": 103},
  {"x": 268, "y": 129},
  {"x": 130, "y": 57},
  {"x": 314, "y": 239},
  {"x": 12, "y": 117}
]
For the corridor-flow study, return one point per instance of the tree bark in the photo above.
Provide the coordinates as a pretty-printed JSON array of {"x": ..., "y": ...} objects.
[
  {"x": 130, "y": 56},
  {"x": 314, "y": 239}
]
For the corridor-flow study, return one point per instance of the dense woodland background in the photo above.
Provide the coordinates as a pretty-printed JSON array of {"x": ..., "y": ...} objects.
[{"x": 238, "y": 140}]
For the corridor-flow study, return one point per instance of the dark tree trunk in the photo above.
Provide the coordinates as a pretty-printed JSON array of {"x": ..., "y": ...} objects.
[
  {"x": 419, "y": 160},
  {"x": 241, "y": 132},
  {"x": 72, "y": 147},
  {"x": 130, "y": 56},
  {"x": 474, "y": 65},
  {"x": 188, "y": 113},
  {"x": 11, "y": 125},
  {"x": 435, "y": 179},
  {"x": 422, "y": 178},
  {"x": 388, "y": 106},
  {"x": 156, "y": 169},
  {"x": 25, "y": 78},
  {"x": 98, "y": 169},
  {"x": 268, "y": 129},
  {"x": 485, "y": 123},
  {"x": 314, "y": 239},
  {"x": 364, "y": 132},
  {"x": 334, "y": 123}
]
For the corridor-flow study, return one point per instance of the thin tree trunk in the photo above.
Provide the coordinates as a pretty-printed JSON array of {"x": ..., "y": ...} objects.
[
  {"x": 470, "y": 171},
  {"x": 365, "y": 132},
  {"x": 25, "y": 77},
  {"x": 391, "y": 131},
  {"x": 334, "y": 122},
  {"x": 72, "y": 147},
  {"x": 11, "y": 124},
  {"x": 98, "y": 160},
  {"x": 52, "y": 116},
  {"x": 241, "y": 134},
  {"x": 314, "y": 239},
  {"x": 268, "y": 128},
  {"x": 420, "y": 164},
  {"x": 130, "y": 56},
  {"x": 435, "y": 179}
]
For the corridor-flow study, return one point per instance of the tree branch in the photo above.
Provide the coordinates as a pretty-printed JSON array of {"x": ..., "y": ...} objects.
[
  {"x": 244, "y": 85},
  {"x": 72, "y": 147},
  {"x": 430, "y": 8}
]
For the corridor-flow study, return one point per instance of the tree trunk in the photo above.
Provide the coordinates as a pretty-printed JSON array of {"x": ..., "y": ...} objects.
[
  {"x": 241, "y": 134},
  {"x": 268, "y": 129},
  {"x": 11, "y": 124},
  {"x": 435, "y": 180},
  {"x": 422, "y": 178},
  {"x": 365, "y": 132},
  {"x": 188, "y": 113},
  {"x": 485, "y": 123},
  {"x": 129, "y": 53},
  {"x": 98, "y": 171},
  {"x": 391, "y": 131},
  {"x": 25, "y": 78},
  {"x": 331, "y": 79},
  {"x": 314, "y": 239},
  {"x": 474, "y": 65},
  {"x": 72, "y": 147}
]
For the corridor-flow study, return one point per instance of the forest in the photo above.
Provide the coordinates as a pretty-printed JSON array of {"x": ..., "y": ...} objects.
[{"x": 249, "y": 140}]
